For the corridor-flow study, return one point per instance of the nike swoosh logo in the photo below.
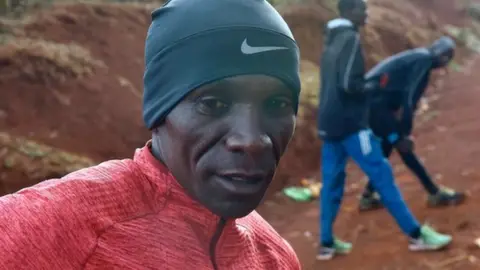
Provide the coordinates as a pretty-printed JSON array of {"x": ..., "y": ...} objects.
[{"x": 247, "y": 49}]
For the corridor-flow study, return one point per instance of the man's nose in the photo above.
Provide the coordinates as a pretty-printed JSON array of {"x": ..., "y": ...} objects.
[{"x": 248, "y": 135}]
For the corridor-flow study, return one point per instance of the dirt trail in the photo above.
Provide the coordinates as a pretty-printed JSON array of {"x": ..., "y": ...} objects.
[{"x": 450, "y": 146}]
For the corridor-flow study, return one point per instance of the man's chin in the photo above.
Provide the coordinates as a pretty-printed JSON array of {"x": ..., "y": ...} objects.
[{"x": 235, "y": 209}]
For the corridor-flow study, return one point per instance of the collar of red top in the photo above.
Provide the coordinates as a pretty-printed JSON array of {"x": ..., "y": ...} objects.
[{"x": 171, "y": 193}]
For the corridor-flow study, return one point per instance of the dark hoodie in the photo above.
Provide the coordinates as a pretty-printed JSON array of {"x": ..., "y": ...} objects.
[
  {"x": 406, "y": 77},
  {"x": 343, "y": 108}
]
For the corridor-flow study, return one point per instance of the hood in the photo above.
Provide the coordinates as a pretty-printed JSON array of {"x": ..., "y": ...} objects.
[
  {"x": 339, "y": 22},
  {"x": 335, "y": 27},
  {"x": 442, "y": 51}
]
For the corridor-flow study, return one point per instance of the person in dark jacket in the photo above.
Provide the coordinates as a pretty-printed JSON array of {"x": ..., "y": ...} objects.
[
  {"x": 343, "y": 125},
  {"x": 404, "y": 77}
]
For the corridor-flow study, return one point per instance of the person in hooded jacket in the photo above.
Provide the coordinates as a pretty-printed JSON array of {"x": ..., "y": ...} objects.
[
  {"x": 404, "y": 78},
  {"x": 220, "y": 97},
  {"x": 343, "y": 126}
]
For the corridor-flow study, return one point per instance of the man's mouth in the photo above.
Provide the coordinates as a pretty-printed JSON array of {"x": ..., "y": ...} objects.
[
  {"x": 245, "y": 178},
  {"x": 242, "y": 183}
]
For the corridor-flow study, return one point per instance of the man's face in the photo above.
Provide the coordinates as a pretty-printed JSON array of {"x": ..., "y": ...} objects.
[
  {"x": 224, "y": 141},
  {"x": 359, "y": 15}
]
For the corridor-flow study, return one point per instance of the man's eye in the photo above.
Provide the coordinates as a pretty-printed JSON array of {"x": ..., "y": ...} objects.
[
  {"x": 213, "y": 106},
  {"x": 277, "y": 105}
]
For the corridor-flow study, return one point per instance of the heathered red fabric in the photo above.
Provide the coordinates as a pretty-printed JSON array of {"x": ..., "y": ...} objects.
[{"x": 128, "y": 214}]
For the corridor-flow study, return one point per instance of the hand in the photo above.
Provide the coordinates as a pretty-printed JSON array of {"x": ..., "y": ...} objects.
[{"x": 405, "y": 145}]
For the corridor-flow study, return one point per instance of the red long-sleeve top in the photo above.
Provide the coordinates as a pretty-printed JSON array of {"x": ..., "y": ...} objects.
[{"x": 129, "y": 214}]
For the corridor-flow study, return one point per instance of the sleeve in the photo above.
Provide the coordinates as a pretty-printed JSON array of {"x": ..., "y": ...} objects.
[
  {"x": 351, "y": 65},
  {"x": 417, "y": 74},
  {"x": 40, "y": 230}
]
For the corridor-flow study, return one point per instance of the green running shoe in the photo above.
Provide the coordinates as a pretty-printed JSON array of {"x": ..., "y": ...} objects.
[
  {"x": 429, "y": 240},
  {"x": 338, "y": 247}
]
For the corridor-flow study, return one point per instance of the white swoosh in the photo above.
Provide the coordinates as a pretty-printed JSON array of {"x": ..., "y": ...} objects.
[{"x": 247, "y": 49}]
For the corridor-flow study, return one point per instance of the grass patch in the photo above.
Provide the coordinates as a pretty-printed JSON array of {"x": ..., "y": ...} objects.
[
  {"x": 37, "y": 161},
  {"x": 467, "y": 36},
  {"x": 45, "y": 60}
]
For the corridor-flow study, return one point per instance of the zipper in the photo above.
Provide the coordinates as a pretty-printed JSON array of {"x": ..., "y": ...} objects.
[{"x": 214, "y": 241}]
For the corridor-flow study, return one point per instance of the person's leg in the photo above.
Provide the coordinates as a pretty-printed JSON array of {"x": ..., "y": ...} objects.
[
  {"x": 384, "y": 125},
  {"x": 412, "y": 162},
  {"x": 387, "y": 148},
  {"x": 369, "y": 190},
  {"x": 437, "y": 196},
  {"x": 369, "y": 199},
  {"x": 366, "y": 151},
  {"x": 334, "y": 159}
]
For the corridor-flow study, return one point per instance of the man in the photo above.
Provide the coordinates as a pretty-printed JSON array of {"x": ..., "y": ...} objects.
[
  {"x": 405, "y": 77},
  {"x": 343, "y": 125},
  {"x": 220, "y": 96}
]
